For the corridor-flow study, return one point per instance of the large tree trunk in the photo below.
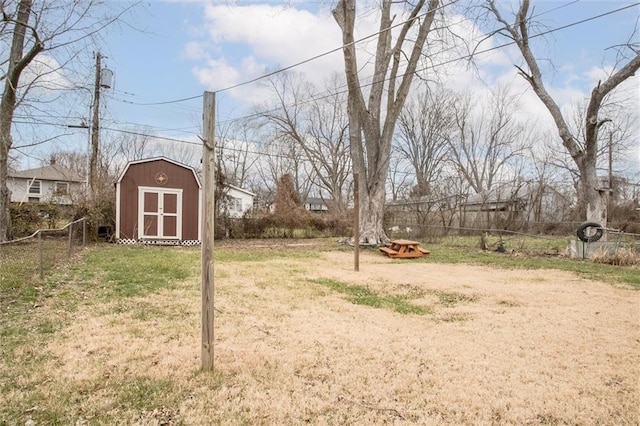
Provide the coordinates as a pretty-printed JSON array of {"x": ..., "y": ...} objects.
[
  {"x": 371, "y": 216},
  {"x": 17, "y": 63},
  {"x": 592, "y": 200},
  {"x": 372, "y": 123}
]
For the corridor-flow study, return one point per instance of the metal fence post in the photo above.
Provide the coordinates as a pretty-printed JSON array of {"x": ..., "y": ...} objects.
[
  {"x": 69, "y": 244},
  {"x": 84, "y": 231},
  {"x": 40, "y": 255}
]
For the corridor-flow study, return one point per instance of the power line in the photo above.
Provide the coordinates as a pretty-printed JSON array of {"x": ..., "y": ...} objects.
[
  {"x": 313, "y": 99},
  {"x": 450, "y": 61},
  {"x": 432, "y": 66},
  {"x": 320, "y": 56},
  {"x": 199, "y": 144},
  {"x": 253, "y": 80},
  {"x": 175, "y": 101},
  {"x": 336, "y": 49},
  {"x": 244, "y": 83}
]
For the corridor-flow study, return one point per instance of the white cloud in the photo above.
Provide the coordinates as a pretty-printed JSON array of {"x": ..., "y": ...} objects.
[
  {"x": 194, "y": 50},
  {"x": 258, "y": 37},
  {"x": 244, "y": 42},
  {"x": 217, "y": 73},
  {"x": 45, "y": 74}
]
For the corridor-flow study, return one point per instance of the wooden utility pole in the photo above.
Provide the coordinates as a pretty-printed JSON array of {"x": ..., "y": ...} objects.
[
  {"x": 95, "y": 132},
  {"x": 207, "y": 217}
]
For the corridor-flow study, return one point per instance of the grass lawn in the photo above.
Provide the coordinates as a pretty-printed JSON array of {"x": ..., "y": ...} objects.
[{"x": 461, "y": 337}]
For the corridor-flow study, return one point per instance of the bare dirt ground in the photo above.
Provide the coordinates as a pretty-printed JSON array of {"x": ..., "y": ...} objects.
[{"x": 499, "y": 347}]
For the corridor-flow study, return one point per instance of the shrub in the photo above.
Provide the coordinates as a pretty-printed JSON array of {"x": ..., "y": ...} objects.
[
  {"x": 26, "y": 219},
  {"x": 623, "y": 256}
]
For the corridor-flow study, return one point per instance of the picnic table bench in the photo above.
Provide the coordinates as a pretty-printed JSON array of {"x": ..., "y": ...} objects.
[{"x": 404, "y": 249}]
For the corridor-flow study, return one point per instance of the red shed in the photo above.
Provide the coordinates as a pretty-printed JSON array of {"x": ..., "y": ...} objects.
[{"x": 158, "y": 200}]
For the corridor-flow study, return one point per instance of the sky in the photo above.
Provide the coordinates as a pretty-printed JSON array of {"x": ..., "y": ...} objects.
[{"x": 174, "y": 50}]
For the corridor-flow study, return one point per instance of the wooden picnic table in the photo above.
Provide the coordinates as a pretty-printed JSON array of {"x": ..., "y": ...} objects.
[{"x": 404, "y": 249}]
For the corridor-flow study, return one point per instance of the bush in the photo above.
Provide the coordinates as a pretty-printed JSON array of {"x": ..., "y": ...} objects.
[
  {"x": 269, "y": 226},
  {"x": 26, "y": 219},
  {"x": 101, "y": 212},
  {"x": 624, "y": 256}
]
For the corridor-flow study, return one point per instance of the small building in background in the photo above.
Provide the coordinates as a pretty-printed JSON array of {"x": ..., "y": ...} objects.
[
  {"x": 239, "y": 201},
  {"x": 158, "y": 200},
  {"x": 52, "y": 183},
  {"x": 315, "y": 205}
]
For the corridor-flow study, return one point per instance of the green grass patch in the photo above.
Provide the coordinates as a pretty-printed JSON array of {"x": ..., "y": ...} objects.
[
  {"x": 359, "y": 295},
  {"x": 136, "y": 271},
  {"x": 612, "y": 274},
  {"x": 144, "y": 393}
]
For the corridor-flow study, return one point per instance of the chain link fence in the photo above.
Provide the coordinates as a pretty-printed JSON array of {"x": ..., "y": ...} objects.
[
  {"x": 36, "y": 255},
  {"x": 507, "y": 241}
]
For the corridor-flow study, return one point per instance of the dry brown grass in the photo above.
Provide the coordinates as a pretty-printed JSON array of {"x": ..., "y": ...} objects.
[
  {"x": 499, "y": 347},
  {"x": 622, "y": 256}
]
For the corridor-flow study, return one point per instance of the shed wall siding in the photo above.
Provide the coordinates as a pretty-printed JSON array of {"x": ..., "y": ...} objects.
[{"x": 144, "y": 174}]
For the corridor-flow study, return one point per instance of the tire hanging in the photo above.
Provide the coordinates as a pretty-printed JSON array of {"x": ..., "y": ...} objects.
[{"x": 589, "y": 232}]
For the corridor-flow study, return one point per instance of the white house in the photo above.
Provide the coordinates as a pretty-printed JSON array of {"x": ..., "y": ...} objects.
[
  {"x": 315, "y": 205},
  {"x": 51, "y": 183},
  {"x": 239, "y": 201}
]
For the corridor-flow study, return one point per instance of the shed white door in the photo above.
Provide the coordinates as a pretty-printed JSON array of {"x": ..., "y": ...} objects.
[{"x": 159, "y": 213}]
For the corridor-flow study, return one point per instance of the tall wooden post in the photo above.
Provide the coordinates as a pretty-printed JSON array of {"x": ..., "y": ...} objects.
[
  {"x": 207, "y": 218},
  {"x": 95, "y": 132},
  {"x": 356, "y": 222}
]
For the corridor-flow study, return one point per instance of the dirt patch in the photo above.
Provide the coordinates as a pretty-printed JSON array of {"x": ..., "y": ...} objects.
[{"x": 497, "y": 346}]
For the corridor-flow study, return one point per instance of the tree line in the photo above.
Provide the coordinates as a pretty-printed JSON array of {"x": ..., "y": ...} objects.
[{"x": 403, "y": 131}]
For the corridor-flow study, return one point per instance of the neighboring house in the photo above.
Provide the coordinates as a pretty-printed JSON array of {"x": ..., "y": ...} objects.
[
  {"x": 52, "y": 183},
  {"x": 239, "y": 201},
  {"x": 425, "y": 211},
  {"x": 158, "y": 200},
  {"x": 315, "y": 205},
  {"x": 502, "y": 206}
]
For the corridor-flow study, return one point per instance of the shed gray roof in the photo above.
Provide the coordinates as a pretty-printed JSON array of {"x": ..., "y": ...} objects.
[{"x": 53, "y": 172}]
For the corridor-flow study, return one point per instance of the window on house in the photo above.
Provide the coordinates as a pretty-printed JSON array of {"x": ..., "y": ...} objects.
[
  {"x": 237, "y": 204},
  {"x": 62, "y": 188},
  {"x": 35, "y": 187}
]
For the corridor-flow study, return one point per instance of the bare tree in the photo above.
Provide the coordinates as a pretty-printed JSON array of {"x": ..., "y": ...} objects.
[
  {"x": 318, "y": 126},
  {"x": 234, "y": 145},
  {"x": 72, "y": 160},
  {"x": 372, "y": 123},
  {"x": 591, "y": 196},
  {"x": 488, "y": 139},
  {"x": 38, "y": 29},
  {"x": 399, "y": 178},
  {"x": 424, "y": 130},
  {"x": 327, "y": 143},
  {"x": 281, "y": 157},
  {"x": 133, "y": 145}
]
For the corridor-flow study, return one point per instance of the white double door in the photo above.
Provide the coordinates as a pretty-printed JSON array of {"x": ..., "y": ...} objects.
[{"x": 159, "y": 213}]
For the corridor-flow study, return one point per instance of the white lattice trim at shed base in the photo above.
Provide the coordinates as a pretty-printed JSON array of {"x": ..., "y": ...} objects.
[{"x": 131, "y": 241}]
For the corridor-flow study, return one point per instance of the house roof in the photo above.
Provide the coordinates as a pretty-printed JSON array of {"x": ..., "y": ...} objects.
[
  {"x": 149, "y": 160},
  {"x": 314, "y": 200},
  {"x": 499, "y": 194},
  {"x": 53, "y": 172},
  {"x": 241, "y": 190}
]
